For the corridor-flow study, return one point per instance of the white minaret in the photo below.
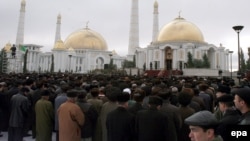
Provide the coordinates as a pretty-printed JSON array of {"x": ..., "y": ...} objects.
[
  {"x": 20, "y": 29},
  {"x": 134, "y": 29},
  {"x": 156, "y": 21},
  {"x": 58, "y": 28},
  {"x": 18, "y": 61}
]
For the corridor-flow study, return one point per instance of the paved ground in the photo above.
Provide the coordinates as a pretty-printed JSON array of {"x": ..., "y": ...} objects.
[{"x": 5, "y": 137}]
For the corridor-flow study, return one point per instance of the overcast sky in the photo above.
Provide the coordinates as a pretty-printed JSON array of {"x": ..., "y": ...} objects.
[{"x": 111, "y": 19}]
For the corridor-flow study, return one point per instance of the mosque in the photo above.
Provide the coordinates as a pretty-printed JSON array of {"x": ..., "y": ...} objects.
[{"x": 85, "y": 50}]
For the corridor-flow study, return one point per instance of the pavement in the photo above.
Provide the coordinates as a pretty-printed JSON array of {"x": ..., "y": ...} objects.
[{"x": 29, "y": 138}]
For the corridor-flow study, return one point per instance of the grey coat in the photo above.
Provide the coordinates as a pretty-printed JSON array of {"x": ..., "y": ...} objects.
[{"x": 19, "y": 110}]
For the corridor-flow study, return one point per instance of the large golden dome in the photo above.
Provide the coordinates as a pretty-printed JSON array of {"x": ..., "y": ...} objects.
[
  {"x": 86, "y": 39},
  {"x": 180, "y": 30}
]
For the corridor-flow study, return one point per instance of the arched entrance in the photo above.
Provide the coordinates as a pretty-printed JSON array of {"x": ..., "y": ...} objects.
[
  {"x": 99, "y": 63},
  {"x": 168, "y": 58}
]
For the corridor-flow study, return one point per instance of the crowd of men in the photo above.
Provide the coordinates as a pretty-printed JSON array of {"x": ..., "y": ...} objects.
[{"x": 121, "y": 108}]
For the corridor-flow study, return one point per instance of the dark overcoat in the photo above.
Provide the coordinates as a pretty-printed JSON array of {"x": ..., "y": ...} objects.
[
  {"x": 151, "y": 125},
  {"x": 120, "y": 125}
]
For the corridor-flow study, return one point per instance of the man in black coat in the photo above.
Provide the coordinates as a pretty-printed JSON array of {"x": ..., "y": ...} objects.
[
  {"x": 90, "y": 113},
  {"x": 230, "y": 116},
  {"x": 151, "y": 124},
  {"x": 138, "y": 96},
  {"x": 242, "y": 103},
  {"x": 19, "y": 111},
  {"x": 120, "y": 122},
  {"x": 175, "y": 121}
]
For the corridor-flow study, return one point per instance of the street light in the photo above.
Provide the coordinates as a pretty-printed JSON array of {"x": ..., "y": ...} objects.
[
  {"x": 231, "y": 52},
  {"x": 110, "y": 55},
  {"x": 238, "y": 29}
]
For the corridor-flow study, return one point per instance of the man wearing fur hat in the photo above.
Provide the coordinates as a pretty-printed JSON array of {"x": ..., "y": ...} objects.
[
  {"x": 151, "y": 124},
  {"x": 230, "y": 116},
  {"x": 120, "y": 122}
]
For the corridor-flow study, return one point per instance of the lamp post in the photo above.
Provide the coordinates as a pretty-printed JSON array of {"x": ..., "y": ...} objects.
[
  {"x": 238, "y": 29},
  {"x": 231, "y": 52},
  {"x": 110, "y": 55}
]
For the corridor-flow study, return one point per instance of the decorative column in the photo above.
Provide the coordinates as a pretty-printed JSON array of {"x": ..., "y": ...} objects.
[
  {"x": 58, "y": 28},
  {"x": 134, "y": 29},
  {"x": 155, "y": 21}
]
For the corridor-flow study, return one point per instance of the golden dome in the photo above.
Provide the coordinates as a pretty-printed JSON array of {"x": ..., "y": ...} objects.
[
  {"x": 180, "y": 30},
  {"x": 7, "y": 47},
  {"x": 86, "y": 39},
  {"x": 59, "y": 45}
]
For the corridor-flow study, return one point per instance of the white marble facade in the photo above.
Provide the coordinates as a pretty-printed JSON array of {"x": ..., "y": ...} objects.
[{"x": 177, "y": 55}]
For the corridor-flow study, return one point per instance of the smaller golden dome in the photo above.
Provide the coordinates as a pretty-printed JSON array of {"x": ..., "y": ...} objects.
[
  {"x": 114, "y": 52},
  {"x": 7, "y": 47},
  {"x": 59, "y": 45},
  {"x": 86, "y": 39}
]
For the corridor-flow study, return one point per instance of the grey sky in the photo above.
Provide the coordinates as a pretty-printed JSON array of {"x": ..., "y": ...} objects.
[{"x": 111, "y": 19}]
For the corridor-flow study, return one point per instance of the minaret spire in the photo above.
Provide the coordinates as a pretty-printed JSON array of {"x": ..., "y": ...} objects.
[
  {"x": 58, "y": 28},
  {"x": 134, "y": 28},
  {"x": 155, "y": 21},
  {"x": 20, "y": 29}
]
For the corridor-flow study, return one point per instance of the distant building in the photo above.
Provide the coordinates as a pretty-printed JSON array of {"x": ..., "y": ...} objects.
[{"x": 85, "y": 49}]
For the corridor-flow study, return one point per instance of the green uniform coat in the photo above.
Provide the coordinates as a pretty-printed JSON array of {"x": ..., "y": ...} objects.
[{"x": 44, "y": 120}]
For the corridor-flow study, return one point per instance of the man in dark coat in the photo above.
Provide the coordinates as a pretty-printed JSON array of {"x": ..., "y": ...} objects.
[
  {"x": 91, "y": 115},
  {"x": 230, "y": 116},
  {"x": 151, "y": 124},
  {"x": 242, "y": 103},
  {"x": 34, "y": 98},
  {"x": 60, "y": 99},
  {"x": 138, "y": 96},
  {"x": 173, "y": 114},
  {"x": 19, "y": 110},
  {"x": 107, "y": 107},
  {"x": 1, "y": 107},
  {"x": 120, "y": 122}
]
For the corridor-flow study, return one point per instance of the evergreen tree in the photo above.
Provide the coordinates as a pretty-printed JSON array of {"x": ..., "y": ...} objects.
[
  {"x": 25, "y": 61},
  {"x": 242, "y": 61},
  {"x": 128, "y": 64},
  {"x": 155, "y": 65},
  {"x": 248, "y": 64},
  {"x": 190, "y": 63},
  {"x": 144, "y": 66},
  {"x": 134, "y": 61},
  {"x": 198, "y": 63},
  {"x": 3, "y": 61},
  {"x": 52, "y": 64},
  {"x": 206, "y": 63}
]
